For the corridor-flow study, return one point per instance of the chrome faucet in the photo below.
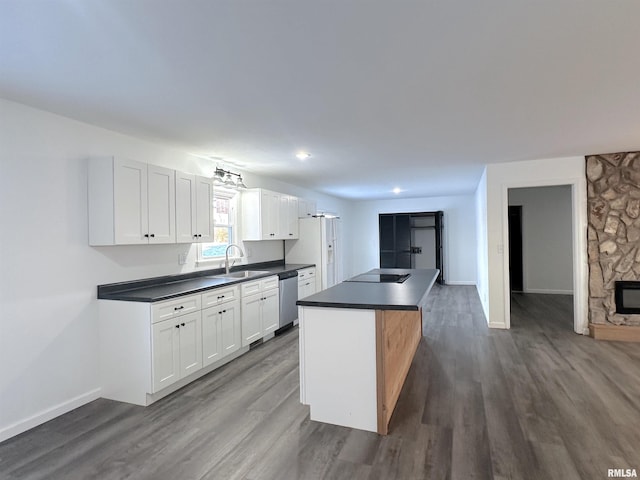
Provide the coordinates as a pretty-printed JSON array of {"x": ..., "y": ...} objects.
[{"x": 226, "y": 256}]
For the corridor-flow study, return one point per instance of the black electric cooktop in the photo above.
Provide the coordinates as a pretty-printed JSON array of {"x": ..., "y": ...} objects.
[{"x": 379, "y": 278}]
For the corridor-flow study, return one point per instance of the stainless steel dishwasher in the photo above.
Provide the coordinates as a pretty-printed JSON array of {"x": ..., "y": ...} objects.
[{"x": 288, "y": 297}]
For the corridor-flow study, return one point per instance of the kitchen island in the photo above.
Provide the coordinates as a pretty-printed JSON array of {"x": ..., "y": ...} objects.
[{"x": 357, "y": 341}]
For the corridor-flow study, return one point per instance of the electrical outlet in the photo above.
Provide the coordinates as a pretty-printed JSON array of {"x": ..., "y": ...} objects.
[{"x": 182, "y": 258}]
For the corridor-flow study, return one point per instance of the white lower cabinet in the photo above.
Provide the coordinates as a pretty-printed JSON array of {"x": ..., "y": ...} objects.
[
  {"x": 260, "y": 309},
  {"x": 176, "y": 349},
  {"x": 306, "y": 282},
  {"x": 166, "y": 354},
  {"x": 190, "y": 328},
  {"x": 221, "y": 331},
  {"x": 251, "y": 318},
  {"x": 189, "y": 336},
  {"x": 270, "y": 311}
]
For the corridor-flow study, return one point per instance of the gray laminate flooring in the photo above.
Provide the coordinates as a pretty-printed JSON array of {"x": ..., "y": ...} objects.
[{"x": 537, "y": 401}]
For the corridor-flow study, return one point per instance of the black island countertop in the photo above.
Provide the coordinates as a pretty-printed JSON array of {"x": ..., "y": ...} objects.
[
  {"x": 408, "y": 295},
  {"x": 171, "y": 286}
]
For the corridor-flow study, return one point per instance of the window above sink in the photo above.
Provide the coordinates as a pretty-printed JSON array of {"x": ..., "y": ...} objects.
[{"x": 224, "y": 230}]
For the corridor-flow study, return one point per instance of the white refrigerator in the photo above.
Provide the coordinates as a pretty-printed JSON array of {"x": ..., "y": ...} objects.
[{"x": 318, "y": 243}]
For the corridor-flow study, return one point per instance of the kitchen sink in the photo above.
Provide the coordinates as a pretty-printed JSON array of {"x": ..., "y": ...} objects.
[{"x": 242, "y": 274}]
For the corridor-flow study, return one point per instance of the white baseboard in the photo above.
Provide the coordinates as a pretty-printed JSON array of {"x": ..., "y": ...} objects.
[
  {"x": 459, "y": 282},
  {"x": 48, "y": 414},
  {"x": 497, "y": 325},
  {"x": 549, "y": 292}
]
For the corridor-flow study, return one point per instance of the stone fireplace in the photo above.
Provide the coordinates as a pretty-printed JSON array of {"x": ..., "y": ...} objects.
[{"x": 613, "y": 192}]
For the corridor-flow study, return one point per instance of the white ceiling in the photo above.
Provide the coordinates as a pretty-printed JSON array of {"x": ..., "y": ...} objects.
[{"x": 410, "y": 94}]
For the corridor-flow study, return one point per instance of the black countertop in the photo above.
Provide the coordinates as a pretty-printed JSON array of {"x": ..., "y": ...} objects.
[
  {"x": 171, "y": 286},
  {"x": 409, "y": 295}
]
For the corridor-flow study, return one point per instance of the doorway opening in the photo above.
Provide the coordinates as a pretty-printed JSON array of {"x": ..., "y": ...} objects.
[
  {"x": 515, "y": 248},
  {"x": 412, "y": 240},
  {"x": 540, "y": 235}
]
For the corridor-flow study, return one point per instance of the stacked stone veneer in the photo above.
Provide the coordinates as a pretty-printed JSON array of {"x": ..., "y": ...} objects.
[{"x": 613, "y": 189}]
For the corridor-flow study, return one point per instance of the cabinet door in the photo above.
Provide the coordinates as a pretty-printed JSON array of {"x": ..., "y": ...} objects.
[
  {"x": 302, "y": 208},
  {"x": 185, "y": 208},
  {"x": 270, "y": 311},
  {"x": 283, "y": 217},
  {"x": 130, "y": 202},
  {"x": 204, "y": 209},
  {"x": 162, "y": 204},
  {"x": 230, "y": 327},
  {"x": 211, "y": 336},
  {"x": 165, "y": 352},
  {"x": 270, "y": 214},
  {"x": 387, "y": 241},
  {"x": 251, "y": 319},
  {"x": 190, "y": 343},
  {"x": 306, "y": 208},
  {"x": 306, "y": 288},
  {"x": 403, "y": 241},
  {"x": 292, "y": 218}
]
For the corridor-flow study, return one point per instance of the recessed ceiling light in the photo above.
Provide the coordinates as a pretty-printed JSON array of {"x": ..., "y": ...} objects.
[
  {"x": 396, "y": 190},
  {"x": 302, "y": 155}
]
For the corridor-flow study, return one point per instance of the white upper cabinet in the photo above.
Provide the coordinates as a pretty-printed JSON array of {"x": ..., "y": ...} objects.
[
  {"x": 194, "y": 208},
  {"x": 161, "y": 202},
  {"x": 260, "y": 214},
  {"x": 288, "y": 217},
  {"x": 268, "y": 215},
  {"x": 130, "y": 203},
  {"x": 306, "y": 208},
  {"x": 185, "y": 208},
  {"x": 292, "y": 218},
  {"x": 204, "y": 209}
]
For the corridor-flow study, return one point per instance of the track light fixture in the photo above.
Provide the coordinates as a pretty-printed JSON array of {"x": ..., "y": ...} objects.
[{"x": 225, "y": 178}]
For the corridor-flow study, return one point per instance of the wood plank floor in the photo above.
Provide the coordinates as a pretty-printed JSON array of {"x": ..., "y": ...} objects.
[{"x": 537, "y": 401}]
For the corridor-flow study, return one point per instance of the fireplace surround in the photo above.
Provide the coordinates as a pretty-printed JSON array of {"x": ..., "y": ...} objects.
[{"x": 613, "y": 196}]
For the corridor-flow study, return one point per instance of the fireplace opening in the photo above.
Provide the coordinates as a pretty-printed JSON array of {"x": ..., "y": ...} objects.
[{"x": 627, "y": 296}]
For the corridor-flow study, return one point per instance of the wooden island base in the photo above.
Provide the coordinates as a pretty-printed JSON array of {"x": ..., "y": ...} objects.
[
  {"x": 353, "y": 363},
  {"x": 398, "y": 333},
  {"x": 357, "y": 342}
]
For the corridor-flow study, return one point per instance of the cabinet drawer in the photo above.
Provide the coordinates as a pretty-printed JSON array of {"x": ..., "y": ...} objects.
[
  {"x": 269, "y": 283},
  {"x": 306, "y": 273},
  {"x": 174, "y": 308},
  {"x": 219, "y": 296},
  {"x": 249, "y": 288}
]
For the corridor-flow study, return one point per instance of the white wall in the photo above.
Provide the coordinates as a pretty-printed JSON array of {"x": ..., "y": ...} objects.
[
  {"x": 459, "y": 233},
  {"x": 546, "y": 238},
  {"x": 482, "y": 283},
  {"x": 49, "y": 274},
  {"x": 501, "y": 177}
]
